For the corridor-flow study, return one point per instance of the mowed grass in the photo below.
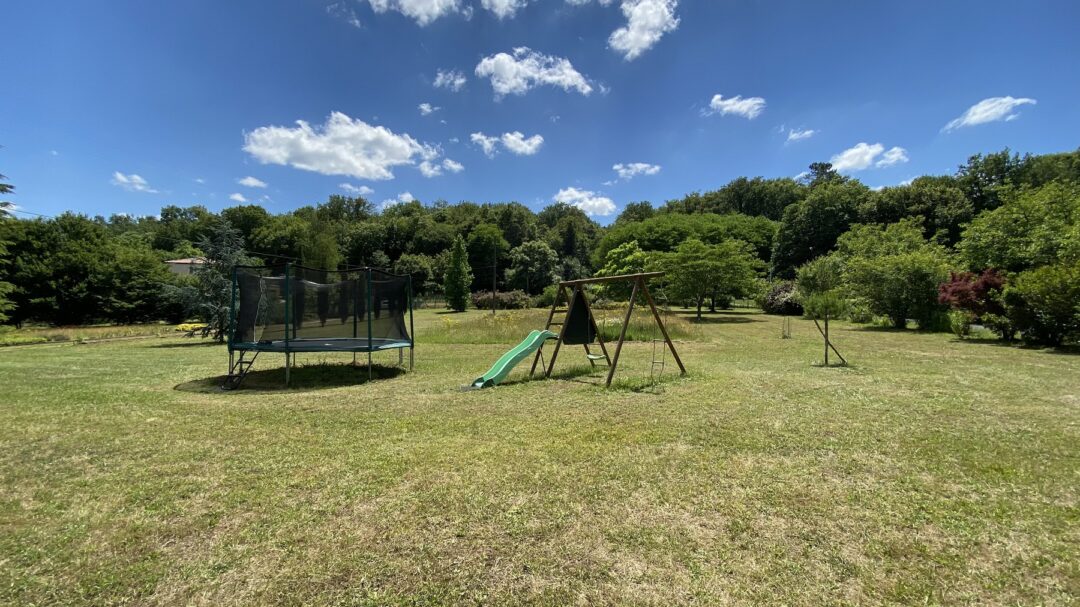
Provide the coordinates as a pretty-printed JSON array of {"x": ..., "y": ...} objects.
[{"x": 930, "y": 471}]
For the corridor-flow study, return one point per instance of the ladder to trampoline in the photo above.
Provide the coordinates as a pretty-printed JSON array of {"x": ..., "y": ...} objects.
[{"x": 239, "y": 370}]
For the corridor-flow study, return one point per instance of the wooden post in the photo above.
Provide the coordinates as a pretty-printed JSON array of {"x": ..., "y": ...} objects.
[
  {"x": 663, "y": 329},
  {"x": 551, "y": 316},
  {"x": 562, "y": 332},
  {"x": 826, "y": 340},
  {"x": 622, "y": 332},
  {"x": 599, "y": 337}
]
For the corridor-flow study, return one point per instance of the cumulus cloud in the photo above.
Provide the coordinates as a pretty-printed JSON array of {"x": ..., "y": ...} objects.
[
  {"x": 452, "y": 165},
  {"x": 748, "y": 108},
  {"x": 590, "y": 202},
  {"x": 402, "y": 197},
  {"x": 646, "y": 22},
  {"x": 865, "y": 155},
  {"x": 251, "y": 182},
  {"x": 797, "y": 135},
  {"x": 525, "y": 69},
  {"x": 427, "y": 108},
  {"x": 993, "y": 109},
  {"x": 132, "y": 183},
  {"x": 355, "y": 190},
  {"x": 515, "y": 142},
  {"x": 630, "y": 170},
  {"x": 341, "y": 146},
  {"x": 450, "y": 79},
  {"x": 504, "y": 8},
  {"x": 518, "y": 144},
  {"x": 422, "y": 11},
  {"x": 486, "y": 143},
  {"x": 238, "y": 197}
]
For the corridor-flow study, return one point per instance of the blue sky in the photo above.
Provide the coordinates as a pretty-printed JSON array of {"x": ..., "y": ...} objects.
[{"x": 141, "y": 104}]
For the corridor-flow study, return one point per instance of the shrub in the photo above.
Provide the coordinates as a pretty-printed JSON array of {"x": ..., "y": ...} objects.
[
  {"x": 547, "y": 297},
  {"x": 980, "y": 296},
  {"x": 504, "y": 300},
  {"x": 781, "y": 299},
  {"x": 858, "y": 311},
  {"x": 960, "y": 322},
  {"x": 1043, "y": 304}
]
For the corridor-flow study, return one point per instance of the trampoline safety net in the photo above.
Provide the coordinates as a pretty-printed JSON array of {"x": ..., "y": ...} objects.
[{"x": 291, "y": 308}]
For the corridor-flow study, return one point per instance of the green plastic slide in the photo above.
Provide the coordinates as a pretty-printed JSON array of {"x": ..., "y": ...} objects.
[{"x": 508, "y": 361}]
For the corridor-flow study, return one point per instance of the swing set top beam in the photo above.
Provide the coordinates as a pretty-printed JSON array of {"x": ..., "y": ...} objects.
[{"x": 595, "y": 280}]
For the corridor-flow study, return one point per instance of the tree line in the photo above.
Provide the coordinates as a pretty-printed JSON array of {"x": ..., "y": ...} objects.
[{"x": 893, "y": 250}]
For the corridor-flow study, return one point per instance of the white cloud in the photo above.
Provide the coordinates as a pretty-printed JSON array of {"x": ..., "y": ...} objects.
[
  {"x": 423, "y": 11},
  {"x": 526, "y": 69},
  {"x": 518, "y": 144},
  {"x": 429, "y": 169},
  {"x": 237, "y": 197},
  {"x": 797, "y": 135},
  {"x": 251, "y": 182},
  {"x": 341, "y": 10},
  {"x": 749, "y": 108},
  {"x": 402, "y": 197},
  {"x": 341, "y": 146},
  {"x": 132, "y": 183},
  {"x": 450, "y": 79},
  {"x": 362, "y": 190},
  {"x": 993, "y": 109},
  {"x": 864, "y": 155},
  {"x": 54, "y": 152},
  {"x": 630, "y": 170},
  {"x": 200, "y": 180},
  {"x": 486, "y": 143},
  {"x": 427, "y": 108},
  {"x": 504, "y": 8},
  {"x": 589, "y": 202},
  {"x": 452, "y": 165},
  {"x": 893, "y": 156},
  {"x": 646, "y": 22}
]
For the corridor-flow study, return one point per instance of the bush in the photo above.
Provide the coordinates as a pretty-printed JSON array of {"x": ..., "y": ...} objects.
[
  {"x": 858, "y": 311},
  {"x": 781, "y": 299},
  {"x": 960, "y": 322},
  {"x": 547, "y": 298},
  {"x": 980, "y": 296},
  {"x": 504, "y": 300},
  {"x": 1042, "y": 304}
]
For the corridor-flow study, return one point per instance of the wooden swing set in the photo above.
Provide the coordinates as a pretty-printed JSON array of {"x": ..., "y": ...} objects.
[{"x": 578, "y": 325}]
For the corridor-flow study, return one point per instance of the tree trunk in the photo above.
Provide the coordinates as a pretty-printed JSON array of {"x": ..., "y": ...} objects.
[{"x": 700, "y": 302}]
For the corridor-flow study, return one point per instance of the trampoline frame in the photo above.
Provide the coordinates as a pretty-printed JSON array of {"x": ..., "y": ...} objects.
[{"x": 238, "y": 368}]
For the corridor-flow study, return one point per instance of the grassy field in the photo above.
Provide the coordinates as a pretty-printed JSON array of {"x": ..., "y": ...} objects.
[{"x": 930, "y": 471}]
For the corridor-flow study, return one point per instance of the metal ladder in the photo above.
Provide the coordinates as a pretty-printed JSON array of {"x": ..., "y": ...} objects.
[{"x": 239, "y": 370}]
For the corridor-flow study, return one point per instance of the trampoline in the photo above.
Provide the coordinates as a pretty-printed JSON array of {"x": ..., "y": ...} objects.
[{"x": 290, "y": 309}]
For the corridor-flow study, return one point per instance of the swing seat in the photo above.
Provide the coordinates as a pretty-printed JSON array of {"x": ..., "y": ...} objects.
[{"x": 595, "y": 356}]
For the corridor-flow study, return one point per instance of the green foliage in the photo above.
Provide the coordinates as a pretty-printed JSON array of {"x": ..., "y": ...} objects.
[
  {"x": 458, "y": 277},
  {"x": 533, "y": 266},
  {"x": 1033, "y": 227},
  {"x": 1044, "y": 303},
  {"x": 419, "y": 268},
  {"x": 320, "y": 249},
  {"x": 826, "y": 305},
  {"x": 627, "y": 258},
  {"x": 666, "y": 231},
  {"x": 696, "y": 271},
  {"x": 504, "y": 300},
  {"x": 942, "y": 207},
  {"x": 755, "y": 197},
  {"x": 210, "y": 298},
  {"x": 960, "y": 322},
  {"x": 895, "y": 271},
  {"x": 488, "y": 252},
  {"x": 811, "y": 228},
  {"x": 636, "y": 211}
]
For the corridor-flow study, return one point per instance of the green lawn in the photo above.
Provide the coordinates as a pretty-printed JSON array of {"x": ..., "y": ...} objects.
[{"x": 931, "y": 471}]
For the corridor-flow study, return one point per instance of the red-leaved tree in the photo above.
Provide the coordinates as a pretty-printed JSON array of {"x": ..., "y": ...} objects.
[{"x": 980, "y": 295}]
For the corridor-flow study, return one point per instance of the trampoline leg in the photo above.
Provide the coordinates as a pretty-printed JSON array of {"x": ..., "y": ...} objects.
[
  {"x": 231, "y": 359},
  {"x": 400, "y": 357},
  {"x": 410, "y": 359},
  {"x": 369, "y": 365},
  {"x": 354, "y": 359},
  {"x": 288, "y": 361}
]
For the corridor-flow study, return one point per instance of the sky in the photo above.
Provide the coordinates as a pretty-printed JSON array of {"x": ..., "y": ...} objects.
[{"x": 127, "y": 106}]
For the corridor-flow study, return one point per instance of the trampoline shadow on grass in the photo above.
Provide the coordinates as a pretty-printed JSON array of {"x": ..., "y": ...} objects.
[{"x": 302, "y": 378}]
